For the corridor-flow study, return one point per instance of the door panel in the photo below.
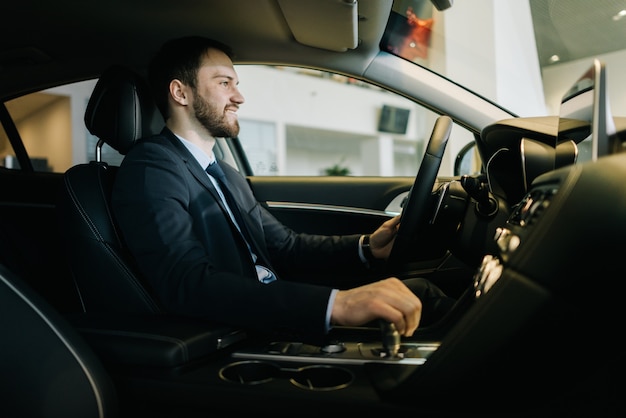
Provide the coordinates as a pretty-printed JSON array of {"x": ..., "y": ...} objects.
[
  {"x": 332, "y": 205},
  {"x": 352, "y": 205}
]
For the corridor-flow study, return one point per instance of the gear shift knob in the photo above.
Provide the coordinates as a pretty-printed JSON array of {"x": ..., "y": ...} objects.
[{"x": 391, "y": 338}]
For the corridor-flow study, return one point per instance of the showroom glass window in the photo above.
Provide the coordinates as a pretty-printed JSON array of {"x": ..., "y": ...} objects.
[{"x": 293, "y": 122}]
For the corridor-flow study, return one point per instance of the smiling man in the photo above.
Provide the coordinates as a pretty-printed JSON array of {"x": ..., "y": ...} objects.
[{"x": 206, "y": 245}]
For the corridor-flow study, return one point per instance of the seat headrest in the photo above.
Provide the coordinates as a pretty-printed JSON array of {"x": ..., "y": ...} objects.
[{"x": 121, "y": 109}]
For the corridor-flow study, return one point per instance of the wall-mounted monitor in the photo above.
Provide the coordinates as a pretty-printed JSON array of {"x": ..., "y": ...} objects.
[{"x": 393, "y": 119}]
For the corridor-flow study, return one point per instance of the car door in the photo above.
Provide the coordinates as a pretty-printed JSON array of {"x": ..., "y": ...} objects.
[{"x": 330, "y": 155}]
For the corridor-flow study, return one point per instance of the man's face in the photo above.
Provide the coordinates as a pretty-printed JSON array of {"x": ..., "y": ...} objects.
[
  {"x": 216, "y": 96},
  {"x": 214, "y": 118}
]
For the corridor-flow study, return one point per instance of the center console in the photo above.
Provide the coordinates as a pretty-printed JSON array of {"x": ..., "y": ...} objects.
[{"x": 339, "y": 352}]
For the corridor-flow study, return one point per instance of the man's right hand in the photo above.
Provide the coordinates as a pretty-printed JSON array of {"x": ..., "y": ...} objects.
[{"x": 387, "y": 299}]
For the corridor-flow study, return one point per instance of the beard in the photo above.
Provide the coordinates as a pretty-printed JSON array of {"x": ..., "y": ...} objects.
[{"x": 214, "y": 119}]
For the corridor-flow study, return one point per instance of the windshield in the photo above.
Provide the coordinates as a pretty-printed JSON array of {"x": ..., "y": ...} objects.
[{"x": 522, "y": 55}]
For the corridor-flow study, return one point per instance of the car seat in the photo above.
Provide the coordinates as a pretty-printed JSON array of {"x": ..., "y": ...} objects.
[
  {"x": 121, "y": 320},
  {"x": 119, "y": 112},
  {"x": 47, "y": 368}
]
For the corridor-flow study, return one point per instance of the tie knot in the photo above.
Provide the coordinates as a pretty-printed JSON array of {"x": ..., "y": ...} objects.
[{"x": 215, "y": 170}]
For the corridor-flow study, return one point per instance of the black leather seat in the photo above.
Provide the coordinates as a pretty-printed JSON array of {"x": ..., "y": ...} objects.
[
  {"x": 47, "y": 368},
  {"x": 119, "y": 112}
]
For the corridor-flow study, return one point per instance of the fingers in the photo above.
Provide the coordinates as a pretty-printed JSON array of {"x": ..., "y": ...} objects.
[
  {"x": 393, "y": 222},
  {"x": 390, "y": 225},
  {"x": 387, "y": 299},
  {"x": 402, "y": 307},
  {"x": 382, "y": 239}
]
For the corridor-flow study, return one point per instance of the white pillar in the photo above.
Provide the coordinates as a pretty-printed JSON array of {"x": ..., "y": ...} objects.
[
  {"x": 508, "y": 62},
  {"x": 281, "y": 149},
  {"x": 377, "y": 156}
]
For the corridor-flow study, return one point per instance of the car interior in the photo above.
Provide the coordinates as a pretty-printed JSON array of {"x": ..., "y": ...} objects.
[
  {"x": 512, "y": 243},
  {"x": 154, "y": 355}
]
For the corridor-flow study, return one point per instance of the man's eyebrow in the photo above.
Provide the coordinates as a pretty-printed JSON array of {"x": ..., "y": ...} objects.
[{"x": 229, "y": 77}]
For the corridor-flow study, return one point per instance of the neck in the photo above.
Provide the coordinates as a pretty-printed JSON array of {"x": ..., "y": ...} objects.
[{"x": 198, "y": 137}]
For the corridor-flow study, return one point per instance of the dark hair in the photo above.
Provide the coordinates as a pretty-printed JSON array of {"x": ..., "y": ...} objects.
[{"x": 179, "y": 59}]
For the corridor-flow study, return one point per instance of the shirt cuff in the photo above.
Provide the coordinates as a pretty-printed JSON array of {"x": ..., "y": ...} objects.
[
  {"x": 361, "y": 254},
  {"x": 329, "y": 309}
]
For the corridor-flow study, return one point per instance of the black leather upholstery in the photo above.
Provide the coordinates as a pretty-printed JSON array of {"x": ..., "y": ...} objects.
[
  {"x": 47, "y": 368},
  {"x": 164, "y": 344},
  {"x": 119, "y": 112},
  {"x": 121, "y": 109}
]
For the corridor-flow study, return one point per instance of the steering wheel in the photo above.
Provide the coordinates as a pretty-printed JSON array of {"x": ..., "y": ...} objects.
[{"x": 417, "y": 209}]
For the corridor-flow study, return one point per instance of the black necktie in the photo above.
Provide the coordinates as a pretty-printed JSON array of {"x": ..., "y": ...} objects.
[{"x": 215, "y": 170}]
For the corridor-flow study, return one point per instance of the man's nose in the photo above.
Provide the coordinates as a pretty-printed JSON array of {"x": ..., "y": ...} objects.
[{"x": 238, "y": 97}]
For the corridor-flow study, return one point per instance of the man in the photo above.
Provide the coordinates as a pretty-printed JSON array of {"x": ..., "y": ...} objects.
[{"x": 209, "y": 249}]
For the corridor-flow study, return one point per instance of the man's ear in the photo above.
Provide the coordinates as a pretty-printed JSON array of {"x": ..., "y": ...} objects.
[{"x": 178, "y": 92}]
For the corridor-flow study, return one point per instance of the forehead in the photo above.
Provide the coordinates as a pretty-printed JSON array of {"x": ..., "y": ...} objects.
[{"x": 216, "y": 62}]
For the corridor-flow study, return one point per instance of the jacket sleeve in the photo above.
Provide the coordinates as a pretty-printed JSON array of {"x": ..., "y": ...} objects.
[{"x": 187, "y": 252}]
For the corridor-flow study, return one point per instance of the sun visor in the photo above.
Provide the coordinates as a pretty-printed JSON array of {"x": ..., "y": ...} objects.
[{"x": 326, "y": 24}]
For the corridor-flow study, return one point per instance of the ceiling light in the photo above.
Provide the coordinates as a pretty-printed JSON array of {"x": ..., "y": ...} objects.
[
  {"x": 620, "y": 15},
  {"x": 554, "y": 58}
]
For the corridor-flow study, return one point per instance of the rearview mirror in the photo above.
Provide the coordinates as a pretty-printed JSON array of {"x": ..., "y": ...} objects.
[{"x": 442, "y": 4}]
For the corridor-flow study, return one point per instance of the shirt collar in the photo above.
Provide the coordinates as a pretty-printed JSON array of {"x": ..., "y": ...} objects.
[{"x": 201, "y": 157}]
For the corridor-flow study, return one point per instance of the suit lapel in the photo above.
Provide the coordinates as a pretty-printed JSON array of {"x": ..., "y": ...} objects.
[
  {"x": 253, "y": 226},
  {"x": 193, "y": 166}
]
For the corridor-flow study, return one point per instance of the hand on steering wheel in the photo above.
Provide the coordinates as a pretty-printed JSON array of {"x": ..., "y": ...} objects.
[{"x": 416, "y": 212}]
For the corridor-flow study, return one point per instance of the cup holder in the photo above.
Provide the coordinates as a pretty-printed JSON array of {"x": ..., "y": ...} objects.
[
  {"x": 315, "y": 377},
  {"x": 321, "y": 377},
  {"x": 249, "y": 372}
]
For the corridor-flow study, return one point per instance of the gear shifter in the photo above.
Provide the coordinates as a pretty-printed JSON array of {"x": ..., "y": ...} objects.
[{"x": 391, "y": 339}]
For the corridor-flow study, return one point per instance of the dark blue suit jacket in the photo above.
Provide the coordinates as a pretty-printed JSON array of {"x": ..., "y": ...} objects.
[{"x": 188, "y": 249}]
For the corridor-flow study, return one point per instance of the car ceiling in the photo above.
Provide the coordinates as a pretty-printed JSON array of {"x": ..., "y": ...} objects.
[
  {"x": 66, "y": 37},
  {"x": 55, "y": 34},
  {"x": 558, "y": 28}
]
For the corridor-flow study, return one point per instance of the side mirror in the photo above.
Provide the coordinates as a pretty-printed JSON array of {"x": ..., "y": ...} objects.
[{"x": 467, "y": 161}]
